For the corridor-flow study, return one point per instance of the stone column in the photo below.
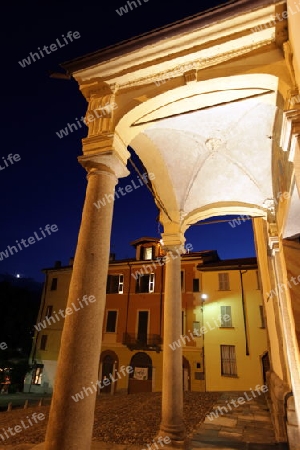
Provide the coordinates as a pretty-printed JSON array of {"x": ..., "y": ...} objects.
[
  {"x": 288, "y": 324},
  {"x": 172, "y": 389},
  {"x": 70, "y": 424}
]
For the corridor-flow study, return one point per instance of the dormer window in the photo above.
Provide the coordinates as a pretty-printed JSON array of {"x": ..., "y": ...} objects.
[
  {"x": 147, "y": 253},
  {"x": 147, "y": 248}
]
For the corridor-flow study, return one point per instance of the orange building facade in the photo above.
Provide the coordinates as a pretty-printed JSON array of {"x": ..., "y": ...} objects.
[{"x": 220, "y": 321}]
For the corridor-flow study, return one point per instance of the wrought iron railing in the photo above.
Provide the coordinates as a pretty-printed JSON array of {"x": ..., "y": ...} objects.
[{"x": 142, "y": 341}]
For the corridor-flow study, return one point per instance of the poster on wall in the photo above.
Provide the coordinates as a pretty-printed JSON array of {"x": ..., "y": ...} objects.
[{"x": 140, "y": 373}]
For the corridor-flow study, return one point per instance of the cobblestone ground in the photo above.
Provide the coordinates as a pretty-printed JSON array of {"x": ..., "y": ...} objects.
[{"x": 120, "y": 419}]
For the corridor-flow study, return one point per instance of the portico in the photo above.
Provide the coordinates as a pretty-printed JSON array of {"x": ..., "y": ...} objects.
[{"x": 220, "y": 137}]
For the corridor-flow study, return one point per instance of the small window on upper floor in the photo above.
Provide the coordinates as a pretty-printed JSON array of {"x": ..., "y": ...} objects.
[
  {"x": 196, "y": 328},
  {"x": 262, "y": 317},
  {"x": 115, "y": 284},
  {"x": 53, "y": 284},
  {"x": 224, "y": 281},
  {"x": 147, "y": 253},
  {"x": 257, "y": 280},
  {"x": 49, "y": 311},
  {"x": 43, "y": 343},
  {"x": 145, "y": 283},
  {"x": 196, "y": 285}
]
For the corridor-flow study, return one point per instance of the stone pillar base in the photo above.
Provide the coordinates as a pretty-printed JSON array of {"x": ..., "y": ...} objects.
[
  {"x": 176, "y": 441},
  {"x": 173, "y": 432},
  {"x": 278, "y": 390},
  {"x": 173, "y": 445}
]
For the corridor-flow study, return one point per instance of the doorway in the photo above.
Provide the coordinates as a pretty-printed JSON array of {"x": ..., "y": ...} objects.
[
  {"x": 108, "y": 366},
  {"x": 140, "y": 380},
  {"x": 186, "y": 374}
]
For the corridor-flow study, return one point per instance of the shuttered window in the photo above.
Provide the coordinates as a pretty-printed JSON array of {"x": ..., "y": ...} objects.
[
  {"x": 228, "y": 360},
  {"x": 224, "y": 281},
  {"x": 226, "y": 319}
]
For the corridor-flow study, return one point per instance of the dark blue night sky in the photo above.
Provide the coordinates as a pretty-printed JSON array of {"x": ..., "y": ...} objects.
[{"x": 47, "y": 184}]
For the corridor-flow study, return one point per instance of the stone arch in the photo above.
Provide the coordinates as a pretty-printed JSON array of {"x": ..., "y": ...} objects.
[
  {"x": 140, "y": 379},
  {"x": 190, "y": 98},
  {"x": 109, "y": 363}
]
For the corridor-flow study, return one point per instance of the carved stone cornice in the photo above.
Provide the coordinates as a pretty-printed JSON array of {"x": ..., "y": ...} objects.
[{"x": 197, "y": 66}]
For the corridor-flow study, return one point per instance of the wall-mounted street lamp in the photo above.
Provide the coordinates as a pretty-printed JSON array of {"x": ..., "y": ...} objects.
[{"x": 203, "y": 298}]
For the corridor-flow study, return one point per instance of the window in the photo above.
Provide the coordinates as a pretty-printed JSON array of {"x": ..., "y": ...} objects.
[
  {"x": 142, "y": 326},
  {"x": 53, "y": 284},
  {"x": 262, "y": 317},
  {"x": 37, "y": 374},
  {"x": 224, "y": 282},
  {"x": 226, "y": 319},
  {"x": 257, "y": 280},
  {"x": 147, "y": 253},
  {"x": 111, "y": 322},
  {"x": 182, "y": 280},
  {"x": 183, "y": 321},
  {"x": 115, "y": 284},
  {"x": 145, "y": 283},
  {"x": 151, "y": 282},
  {"x": 43, "y": 345},
  {"x": 228, "y": 361},
  {"x": 49, "y": 311},
  {"x": 121, "y": 284},
  {"x": 196, "y": 285},
  {"x": 196, "y": 328}
]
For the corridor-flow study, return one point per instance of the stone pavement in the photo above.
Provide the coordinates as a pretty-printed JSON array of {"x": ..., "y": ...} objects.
[{"x": 242, "y": 427}]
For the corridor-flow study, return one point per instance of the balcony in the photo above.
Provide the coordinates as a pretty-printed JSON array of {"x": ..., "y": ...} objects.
[{"x": 142, "y": 341}]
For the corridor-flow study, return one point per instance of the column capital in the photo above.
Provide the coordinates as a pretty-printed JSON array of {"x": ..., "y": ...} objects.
[
  {"x": 104, "y": 161},
  {"x": 173, "y": 242},
  {"x": 103, "y": 143}
]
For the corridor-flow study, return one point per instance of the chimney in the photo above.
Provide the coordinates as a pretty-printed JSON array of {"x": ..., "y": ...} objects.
[
  {"x": 112, "y": 257},
  {"x": 71, "y": 261},
  {"x": 57, "y": 264}
]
